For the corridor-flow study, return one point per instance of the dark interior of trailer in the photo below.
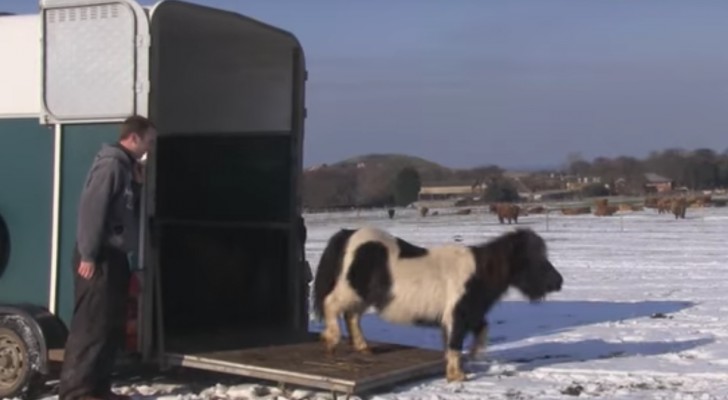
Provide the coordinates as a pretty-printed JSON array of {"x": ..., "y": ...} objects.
[{"x": 224, "y": 220}]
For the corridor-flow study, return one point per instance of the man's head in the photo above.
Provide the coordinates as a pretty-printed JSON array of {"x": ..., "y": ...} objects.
[{"x": 138, "y": 135}]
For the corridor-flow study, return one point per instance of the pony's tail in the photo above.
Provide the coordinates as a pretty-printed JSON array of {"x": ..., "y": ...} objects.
[{"x": 329, "y": 268}]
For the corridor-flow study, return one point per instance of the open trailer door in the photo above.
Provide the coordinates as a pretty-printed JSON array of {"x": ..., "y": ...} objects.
[{"x": 224, "y": 206}]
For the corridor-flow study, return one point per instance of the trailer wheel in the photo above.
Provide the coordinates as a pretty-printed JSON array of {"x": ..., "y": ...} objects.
[{"x": 18, "y": 352}]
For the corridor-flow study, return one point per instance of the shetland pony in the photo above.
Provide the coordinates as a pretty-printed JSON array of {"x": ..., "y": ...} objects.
[{"x": 453, "y": 286}]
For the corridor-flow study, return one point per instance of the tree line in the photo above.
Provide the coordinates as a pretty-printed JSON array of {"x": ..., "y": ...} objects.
[
  {"x": 381, "y": 185},
  {"x": 699, "y": 169}
]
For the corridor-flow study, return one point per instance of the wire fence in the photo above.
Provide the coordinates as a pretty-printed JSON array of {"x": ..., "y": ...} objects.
[{"x": 647, "y": 221}]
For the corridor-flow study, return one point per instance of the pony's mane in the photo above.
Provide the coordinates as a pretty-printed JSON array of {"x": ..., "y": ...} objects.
[{"x": 493, "y": 258}]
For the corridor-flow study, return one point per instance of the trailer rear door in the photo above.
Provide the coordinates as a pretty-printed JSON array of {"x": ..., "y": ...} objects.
[{"x": 224, "y": 206}]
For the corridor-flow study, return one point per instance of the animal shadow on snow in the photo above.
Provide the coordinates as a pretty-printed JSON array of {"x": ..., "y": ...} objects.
[
  {"x": 511, "y": 321},
  {"x": 549, "y": 353}
]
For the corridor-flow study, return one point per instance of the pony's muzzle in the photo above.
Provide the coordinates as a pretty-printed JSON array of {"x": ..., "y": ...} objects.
[
  {"x": 554, "y": 284},
  {"x": 555, "y": 281}
]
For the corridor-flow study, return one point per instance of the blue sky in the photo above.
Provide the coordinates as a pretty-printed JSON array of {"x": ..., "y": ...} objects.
[{"x": 519, "y": 83}]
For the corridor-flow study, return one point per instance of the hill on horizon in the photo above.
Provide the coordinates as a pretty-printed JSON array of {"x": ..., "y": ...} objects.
[
  {"x": 394, "y": 162},
  {"x": 429, "y": 171},
  {"x": 424, "y": 166}
]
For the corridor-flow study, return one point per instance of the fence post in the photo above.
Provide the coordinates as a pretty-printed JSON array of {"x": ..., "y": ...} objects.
[{"x": 547, "y": 219}]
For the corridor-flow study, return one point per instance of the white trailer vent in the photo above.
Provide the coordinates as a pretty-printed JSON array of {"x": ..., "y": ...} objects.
[
  {"x": 92, "y": 66},
  {"x": 102, "y": 11}
]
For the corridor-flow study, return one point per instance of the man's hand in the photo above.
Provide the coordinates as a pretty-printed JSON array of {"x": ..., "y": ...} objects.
[{"x": 86, "y": 269}]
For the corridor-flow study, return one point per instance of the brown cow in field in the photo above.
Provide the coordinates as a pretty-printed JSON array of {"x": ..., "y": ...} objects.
[
  {"x": 576, "y": 210},
  {"x": 601, "y": 202},
  {"x": 700, "y": 201},
  {"x": 536, "y": 210},
  {"x": 603, "y": 209},
  {"x": 506, "y": 212},
  {"x": 627, "y": 207},
  {"x": 663, "y": 205},
  {"x": 651, "y": 202},
  {"x": 678, "y": 208}
]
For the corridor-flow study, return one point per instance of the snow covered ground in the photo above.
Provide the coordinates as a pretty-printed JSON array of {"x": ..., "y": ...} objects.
[{"x": 641, "y": 315}]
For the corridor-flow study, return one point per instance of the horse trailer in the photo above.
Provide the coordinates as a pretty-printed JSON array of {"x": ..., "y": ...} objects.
[{"x": 221, "y": 267}]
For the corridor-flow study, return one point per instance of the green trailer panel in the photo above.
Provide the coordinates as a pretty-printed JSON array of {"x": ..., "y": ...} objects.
[
  {"x": 26, "y": 179},
  {"x": 80, "y": 145}
]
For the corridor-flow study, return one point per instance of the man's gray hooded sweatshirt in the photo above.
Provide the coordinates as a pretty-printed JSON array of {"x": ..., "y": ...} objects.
[{"x": 108, "y": 213}]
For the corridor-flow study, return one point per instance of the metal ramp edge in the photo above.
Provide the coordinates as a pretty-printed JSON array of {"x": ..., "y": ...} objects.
[{"x": 434, "y": 365}]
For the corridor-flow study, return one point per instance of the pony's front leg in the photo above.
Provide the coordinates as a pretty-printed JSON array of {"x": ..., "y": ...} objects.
[
  {"x": 331, "y": 334},
  {"x": 454, "y": 339},
  {"x": 353, "y": 325}
]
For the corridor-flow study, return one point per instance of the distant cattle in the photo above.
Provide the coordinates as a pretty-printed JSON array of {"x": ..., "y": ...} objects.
[
  {"x": 506, "y": 212},
  {"x": 700, "y": 201},
  {"x": 576, "y": 210},
  {"x": 603, "y": 208},
  {"x": 664, "y": 205},
  {"x": 630, "y": 207},
  {"x": 536, "y": 210},
  {"x": 678, "y": 207}
]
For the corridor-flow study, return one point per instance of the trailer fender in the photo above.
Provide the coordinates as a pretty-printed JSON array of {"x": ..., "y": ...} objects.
[{"x": 48, "y": 330}]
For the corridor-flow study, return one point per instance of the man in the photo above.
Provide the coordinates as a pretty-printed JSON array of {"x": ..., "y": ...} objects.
[{"x": 107, "y": 232}]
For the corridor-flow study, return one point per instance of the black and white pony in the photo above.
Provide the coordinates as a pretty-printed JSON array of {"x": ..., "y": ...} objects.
[{"x": 453, "y": 286}]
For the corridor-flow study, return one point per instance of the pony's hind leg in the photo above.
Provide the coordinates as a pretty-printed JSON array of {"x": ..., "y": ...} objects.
[
  {"x": 480, "y": 331},
  {"x": 353, "y": 325}
]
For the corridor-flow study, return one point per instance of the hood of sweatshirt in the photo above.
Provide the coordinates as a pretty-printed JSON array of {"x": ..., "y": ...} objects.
[{"x": 115, "y": 151}]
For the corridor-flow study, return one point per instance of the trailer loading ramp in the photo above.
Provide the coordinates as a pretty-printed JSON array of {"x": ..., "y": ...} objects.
[{"x": 306, "y": 364}]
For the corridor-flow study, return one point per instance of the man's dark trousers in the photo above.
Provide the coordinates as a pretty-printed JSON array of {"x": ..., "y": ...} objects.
[{"x": 97, "y": 328}]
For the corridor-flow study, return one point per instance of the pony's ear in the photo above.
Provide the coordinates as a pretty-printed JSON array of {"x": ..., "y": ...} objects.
[
  {"x": 524, "y": 239},
  {"x": 529, "y": 245}
]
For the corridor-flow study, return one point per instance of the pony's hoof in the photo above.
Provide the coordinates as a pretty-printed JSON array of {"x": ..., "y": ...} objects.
[
  {"x": 474, "y": 353},
  {"x": 364, "y": 350},
  {"x": 329, "y": 351},
  {"x": 456, "y": 376},
  {"x": 329, "y": 347}
]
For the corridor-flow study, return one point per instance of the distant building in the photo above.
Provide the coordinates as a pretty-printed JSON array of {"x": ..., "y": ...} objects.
[
  {"x": 578, "y": 182},
  {"x": 550, "y": 195},
  {"x": 657, "y": 184},
  {"x": 524, "y": 191},
  {"x": 450, "y": 191}
]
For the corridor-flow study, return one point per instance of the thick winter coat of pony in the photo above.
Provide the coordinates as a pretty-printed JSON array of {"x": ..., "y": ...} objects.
[{"x": 452, "y": 286}]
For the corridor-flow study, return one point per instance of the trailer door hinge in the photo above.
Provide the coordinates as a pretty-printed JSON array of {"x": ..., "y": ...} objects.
[
  {"x": 141, "y": 86},
  {"x": 142, "y": 41}
]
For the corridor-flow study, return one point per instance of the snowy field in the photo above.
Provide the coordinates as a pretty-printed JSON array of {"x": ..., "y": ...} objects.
[{"x": 641, "y": 315}]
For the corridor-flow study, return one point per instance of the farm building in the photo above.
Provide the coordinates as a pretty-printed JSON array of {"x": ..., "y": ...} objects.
[{"x": 657, "y": 184}]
